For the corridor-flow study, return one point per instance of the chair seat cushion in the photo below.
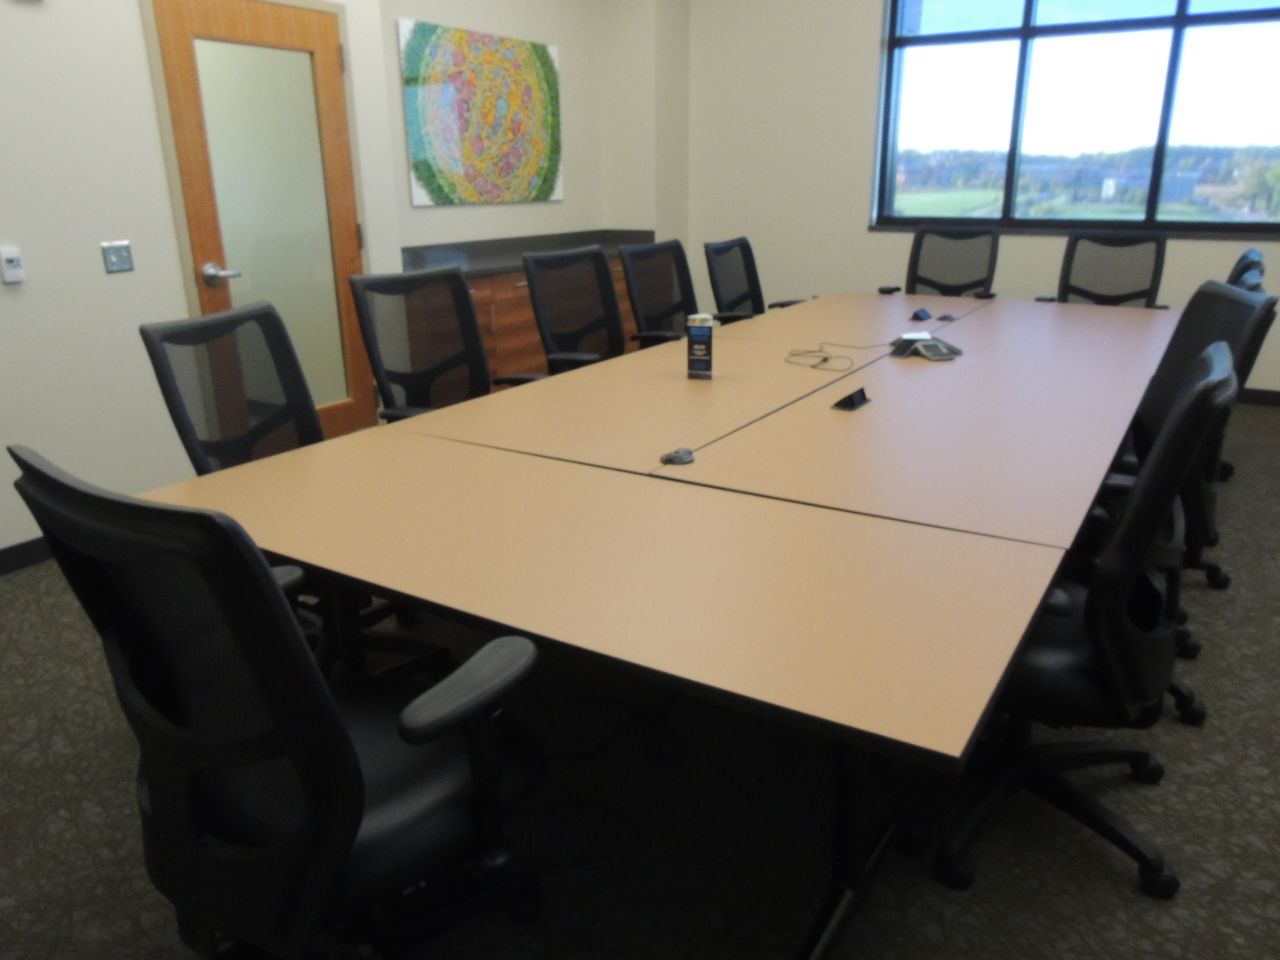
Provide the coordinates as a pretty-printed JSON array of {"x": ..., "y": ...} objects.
[{"x": 417, "y": 798}]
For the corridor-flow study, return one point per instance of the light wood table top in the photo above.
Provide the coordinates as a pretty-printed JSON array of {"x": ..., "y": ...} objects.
[
  {"x": 1011, "y": 440},
  {"x": 626, "y": 412},
  {"x": 896, "y": 630},
  {"x": 863, "y": 320}
]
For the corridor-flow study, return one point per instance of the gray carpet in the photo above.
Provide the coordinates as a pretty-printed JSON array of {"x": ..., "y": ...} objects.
[{"x": 668, "y": 828}]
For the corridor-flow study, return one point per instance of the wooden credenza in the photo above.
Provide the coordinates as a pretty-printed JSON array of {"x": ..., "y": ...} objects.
[{"x": 507, "y": 324}]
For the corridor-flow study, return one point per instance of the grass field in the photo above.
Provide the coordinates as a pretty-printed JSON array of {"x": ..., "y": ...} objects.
[
  {"x": 1065, "y": 210},
  {"x": 948, "y": 203},
  {"x": 986, "y": 203}
]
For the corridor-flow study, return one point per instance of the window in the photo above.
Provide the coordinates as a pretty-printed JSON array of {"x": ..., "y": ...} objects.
[{"x": 1062, "y": 113}]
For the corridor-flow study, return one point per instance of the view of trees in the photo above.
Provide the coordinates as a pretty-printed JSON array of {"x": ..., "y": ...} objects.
[{"x": 1200, "y": 183}]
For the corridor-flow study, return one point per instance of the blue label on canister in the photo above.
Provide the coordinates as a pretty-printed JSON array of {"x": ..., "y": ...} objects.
[{"x": 699, "y": 352}]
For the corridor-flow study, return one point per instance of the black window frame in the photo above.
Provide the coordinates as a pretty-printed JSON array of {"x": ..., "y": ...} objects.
[{"x": 1179, "y": 22}]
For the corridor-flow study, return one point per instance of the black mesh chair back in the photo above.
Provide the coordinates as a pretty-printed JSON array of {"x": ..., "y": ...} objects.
[
  {"x": 952, "y": 263},
  {"x": 249, "y": 789},
  {"x": 574, "y": 302},
  {"x": 1248, "y": 271},
  {"x": 233, "y": 386},
  {"x": 1126, "y": 617},
  {"x": 1249, "y": 260},
  {"x": 1215, "y": 312},
  {"x": 422, "y": 338},
  {"x": 1112, "y": 270},
  {"x": 658, "y": 285},
  {"x": 735, "y": 283}
]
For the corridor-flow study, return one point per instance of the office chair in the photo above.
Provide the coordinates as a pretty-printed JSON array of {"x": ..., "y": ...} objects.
[
  {"x": 1247, "y": 274},
  {"x": 1100, "y": 653},
  {"x": 1111, "y": 270},
  {"x": 1242, "y": 319},
  {"x": 659, "y": 288},
  {"x": 233, "y": 386},
  {"x": 952, "y": 263},
  {"x": 575, "y": 306},
  {"x": 235, "y": 391},
  {"x": 274, "y": 811},
  {"x": 422, "y": 338},
  {"x": 735, "y": 283},
  {"x": 1215, "y": 312},
  {"x": 1248, "y": 270}
]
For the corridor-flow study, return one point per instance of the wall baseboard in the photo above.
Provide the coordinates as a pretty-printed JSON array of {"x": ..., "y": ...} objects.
[
  {"x": 1264, "y": 398},
  {"x": 23, "y": 555}
]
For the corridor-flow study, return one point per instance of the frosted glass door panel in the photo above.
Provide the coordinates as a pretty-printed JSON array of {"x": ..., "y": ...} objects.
[{"x": 264, "y": 146}]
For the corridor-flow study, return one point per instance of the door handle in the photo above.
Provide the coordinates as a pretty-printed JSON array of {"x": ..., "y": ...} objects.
[{"x": 214, "y": 274}]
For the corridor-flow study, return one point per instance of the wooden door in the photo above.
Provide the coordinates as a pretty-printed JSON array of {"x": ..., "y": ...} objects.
[{"x": 259, "y": 117}]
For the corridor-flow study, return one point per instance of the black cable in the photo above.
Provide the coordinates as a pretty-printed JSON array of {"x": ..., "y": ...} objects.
[{"x": 820, "y": 358}]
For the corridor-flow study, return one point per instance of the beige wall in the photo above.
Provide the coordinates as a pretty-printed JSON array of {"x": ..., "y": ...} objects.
[
  {"x": 81, "y": 164},
  {"x": 84, "y": 162},
  {"x": 783, "y": 104},
  {"x": 700, "y": 119}
]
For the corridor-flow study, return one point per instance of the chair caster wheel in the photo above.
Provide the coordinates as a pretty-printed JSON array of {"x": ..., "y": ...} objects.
[
  {"x": 1158, "y": 882},
  {"x": 1150, "y": 770},
  {"x": 1217, "y": 579},
  {"x": 1181, "y": 616},
  {"x": 1187, "y": 646},
  {"x": 1193, "y": 714},
  {"x": 956, "y": 872},
  {"x": 1226, "y": 470}
]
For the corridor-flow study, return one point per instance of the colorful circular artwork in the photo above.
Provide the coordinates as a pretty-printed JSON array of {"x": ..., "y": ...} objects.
[{"x": 482, "y": 114}]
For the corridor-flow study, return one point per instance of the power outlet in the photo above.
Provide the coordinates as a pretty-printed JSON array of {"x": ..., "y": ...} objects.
[{"x": 117, "y": 256}]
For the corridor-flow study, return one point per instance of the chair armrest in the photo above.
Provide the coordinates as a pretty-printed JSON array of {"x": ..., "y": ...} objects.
[
  {"x": 985, "y": 295},
  {"x": 1126, "y": 460},
  {"x": 779, "y": 304},
  {"x": 1057, "y": 603},
  {"x": 1091, "y": 538},
  {"x": 473, "y": 688},
  {"x": 287, "y": 576},
  {"x": 889, "y": 289},
  {"x": 733, "y": 316},
  {"x": 570, "y": 360},
  {"x": 1126, "y": 464},
  {"x": 394, "y": 414},
  {"x": 1046, "y": 299},
  {"x": 1119, "y": 482},
  {"x": 515, "y": 379},
  {"x": 648, "y": 338}
]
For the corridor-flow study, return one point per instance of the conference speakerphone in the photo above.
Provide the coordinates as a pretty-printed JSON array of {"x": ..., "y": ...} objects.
[{"x": 925, "y": 345}]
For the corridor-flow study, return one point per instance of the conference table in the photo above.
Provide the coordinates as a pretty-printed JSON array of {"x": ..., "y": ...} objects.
[{"x": 870, "y": 571}]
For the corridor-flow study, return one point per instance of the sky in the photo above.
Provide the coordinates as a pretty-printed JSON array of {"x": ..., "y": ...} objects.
[
  {"x": 948, "y": 16},
  {"x": 1094, "y": 93}
]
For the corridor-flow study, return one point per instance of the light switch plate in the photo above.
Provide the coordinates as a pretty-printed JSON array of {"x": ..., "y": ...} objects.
[
  {"x": 11, "y": 268},
  {"x": 117, "y": 256}
]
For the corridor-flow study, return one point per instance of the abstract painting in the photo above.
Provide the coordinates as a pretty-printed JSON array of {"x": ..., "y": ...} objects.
[{"x": 482, "y": 116}]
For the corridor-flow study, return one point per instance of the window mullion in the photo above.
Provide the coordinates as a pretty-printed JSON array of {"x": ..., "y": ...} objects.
[
  {"x": 888, "y": 132},
  {"x": 1166, "y": 117},
  {"x": 1015, "y": 130}
]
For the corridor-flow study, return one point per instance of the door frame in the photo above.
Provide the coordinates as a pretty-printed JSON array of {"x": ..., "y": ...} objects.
[{"x": 359, "y": 409}]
